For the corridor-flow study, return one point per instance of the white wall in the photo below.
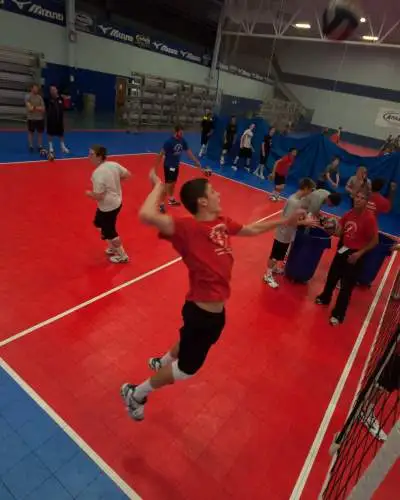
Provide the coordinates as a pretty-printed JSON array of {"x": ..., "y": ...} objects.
[
  {"x": 24, "y": 33},
  {"x": 367, "y": 66},
  {"x": 100, "y": 54}
]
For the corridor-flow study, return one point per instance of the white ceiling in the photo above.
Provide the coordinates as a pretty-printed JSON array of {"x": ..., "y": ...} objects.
[{"x": 275, "y": 18}]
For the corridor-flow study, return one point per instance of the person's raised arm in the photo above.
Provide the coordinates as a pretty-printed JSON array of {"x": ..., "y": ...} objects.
[
  {"x": 297, "y": 218},
  {"x": 149, "y": 212}
]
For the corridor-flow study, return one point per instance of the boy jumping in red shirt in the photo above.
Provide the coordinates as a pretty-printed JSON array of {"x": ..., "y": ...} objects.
[
  {"x": 280, "y": 172},
  {"x": 204, "y": 243}
]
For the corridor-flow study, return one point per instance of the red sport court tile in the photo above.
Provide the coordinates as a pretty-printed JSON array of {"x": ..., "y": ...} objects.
[{"x": 243, "y": 427}]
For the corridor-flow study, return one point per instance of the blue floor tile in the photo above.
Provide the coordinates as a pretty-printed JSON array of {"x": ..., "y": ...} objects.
[
  {"x": 26, "y": 476},
  {"x": 57, "y": 451},
  {"x": 5, "y": 493},
  {"x": 13, "y": 450},
  {"x": 21, "y": 411},
  {"x": 102, "y": 489},
  {"x": 77, "y": 474},
  {"x": 51, "y": 489},
  {"x": 37, "y": 431},
  {"x": 5, "y": 428}
]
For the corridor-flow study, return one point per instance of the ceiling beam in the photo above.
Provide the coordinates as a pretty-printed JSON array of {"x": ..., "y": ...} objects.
[{"x": 310, "y": 39}]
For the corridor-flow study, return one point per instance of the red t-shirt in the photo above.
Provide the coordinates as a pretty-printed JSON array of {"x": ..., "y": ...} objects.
[
  {"x": 358, "y": 229},
  {"x": 284, "y": 164},
  {"x": 378, "y": 204},
  {"x": 335, "y": 138},
  {"x": 206, "y": 250}
]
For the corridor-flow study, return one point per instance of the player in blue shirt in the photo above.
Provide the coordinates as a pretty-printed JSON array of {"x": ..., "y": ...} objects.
[{"x": 171, "y": 153}]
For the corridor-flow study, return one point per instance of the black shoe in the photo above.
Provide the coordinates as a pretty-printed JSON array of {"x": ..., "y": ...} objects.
[
  {"x": 321, "y": 302},
  {"x": 134, "y": 408}
]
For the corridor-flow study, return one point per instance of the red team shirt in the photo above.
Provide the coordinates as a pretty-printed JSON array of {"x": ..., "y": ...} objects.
[
  {"x": 358, "y": 229},
  {"x": 206, "y": 250},
  {"x": 378, "y": 204},
  {"x": 284, "y": 164}
]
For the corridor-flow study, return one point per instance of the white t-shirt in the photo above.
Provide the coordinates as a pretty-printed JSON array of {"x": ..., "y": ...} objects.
[
  {"x": 285, "y": 233},
  {"x": 107, "y": 179},
  {"x": 246, "y": 138},
  {"x": 314, "y": 201}
]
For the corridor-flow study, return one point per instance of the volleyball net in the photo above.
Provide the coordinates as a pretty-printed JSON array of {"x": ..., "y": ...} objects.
[{"x": 368, "y": 445}]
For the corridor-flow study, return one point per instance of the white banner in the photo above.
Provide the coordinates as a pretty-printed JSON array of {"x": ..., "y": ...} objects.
[{"x": 388, "y": 118}]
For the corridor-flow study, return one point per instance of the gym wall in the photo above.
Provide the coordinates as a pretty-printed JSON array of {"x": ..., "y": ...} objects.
[
  {"x": 345, "y": 85},
  {"x": 99, "y": 61}
]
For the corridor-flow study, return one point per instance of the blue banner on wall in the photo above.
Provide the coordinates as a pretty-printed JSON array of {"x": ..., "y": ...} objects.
[{"x": 52, "y": 11}]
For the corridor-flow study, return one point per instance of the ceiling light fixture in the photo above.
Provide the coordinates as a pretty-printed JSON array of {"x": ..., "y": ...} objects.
[
  {"x": 370, "y": 38},
  {"x": 302, "y": 26},
  {"x": 363, "y": 20}
]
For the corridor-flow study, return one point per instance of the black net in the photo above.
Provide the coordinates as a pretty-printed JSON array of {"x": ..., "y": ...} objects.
[{"x": 376, "y": 409}]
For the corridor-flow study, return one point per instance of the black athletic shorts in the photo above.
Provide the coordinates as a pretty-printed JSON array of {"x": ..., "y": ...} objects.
[
  {"x": 279, "y": 180},
  {"x": 390, "y": 376},
  {"x": 107, "y": 222},
  {"x": 171, "y": 174},
  {"x": 279, "y": 250},
  {"x": 36, "y": 126},
  {"x": 245, "y": 153},
  {"x": 227, "y": 146},
  {"x": 204, "y": 138},
  {"x": 55, "y": 129},
  {"x": 201, "y": 329},
  {"x": 263, "y": 159}
]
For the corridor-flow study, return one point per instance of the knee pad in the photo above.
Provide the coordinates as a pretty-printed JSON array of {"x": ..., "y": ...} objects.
[{"x": 177, "y": 373}]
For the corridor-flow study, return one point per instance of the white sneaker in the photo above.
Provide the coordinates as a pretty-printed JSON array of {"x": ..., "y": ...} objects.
[
  {"x": 134, "y": 408},
  {"x": 270, "y": 281},
  {"x": 334, "y": 321},
  {"x": 65, "y": 150},
  {"x": 119, "y": 259},
  {"x": 372, "y": 424},
  {"x": 154, "y": 364}
]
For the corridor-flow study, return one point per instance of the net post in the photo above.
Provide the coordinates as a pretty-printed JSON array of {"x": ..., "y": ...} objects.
[{"x": 379, "y": 467}]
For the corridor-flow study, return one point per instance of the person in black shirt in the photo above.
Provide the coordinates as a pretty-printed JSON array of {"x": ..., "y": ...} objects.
[
  {"x": 55, "y": 119},
  {"x": 230, "y": 136},
  {"x": 266, "y": 146},
  {"x": 207, "y": 127}
]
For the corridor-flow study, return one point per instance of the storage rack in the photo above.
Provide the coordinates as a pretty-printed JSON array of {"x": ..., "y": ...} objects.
[
  {"x": 19, "y": 69},
  {"x": 155, "y": 102}
]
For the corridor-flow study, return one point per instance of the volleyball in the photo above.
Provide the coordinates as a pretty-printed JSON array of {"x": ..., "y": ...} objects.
[{"x": 340, "y": 19}]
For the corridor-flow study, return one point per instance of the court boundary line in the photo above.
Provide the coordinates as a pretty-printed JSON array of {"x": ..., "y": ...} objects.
[
  {"x": 326, "y": 420},
  {"x": 65, "y": 427},
  {"x": 96, "y": 298}
]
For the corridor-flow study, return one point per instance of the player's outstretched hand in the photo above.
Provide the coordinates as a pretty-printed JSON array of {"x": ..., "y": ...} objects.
[{"x": 154, "y": 179}]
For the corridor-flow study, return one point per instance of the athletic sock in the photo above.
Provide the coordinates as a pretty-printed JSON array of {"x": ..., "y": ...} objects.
[
  {"x": 142, "y": 391},
  {"x": 167, "y": 359}
]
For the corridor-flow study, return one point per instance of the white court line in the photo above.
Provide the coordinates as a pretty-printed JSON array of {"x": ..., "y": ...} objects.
[
  {"x": 366, "y": 364},
  {"x": 308, "y": 464},
  {"x": 59, "y": 316},
  {"x": 70, "y": 432},
  {"x": 72, "y": 158},
  {"x": 88, "y": 302}
]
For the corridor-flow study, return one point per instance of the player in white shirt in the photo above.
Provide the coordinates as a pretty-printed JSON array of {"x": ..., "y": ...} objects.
[
  {"x": 107, "y": 192},
  {"x": 246, "y": 148}
]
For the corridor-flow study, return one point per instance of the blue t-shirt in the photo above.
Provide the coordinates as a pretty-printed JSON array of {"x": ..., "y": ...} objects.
[{"x": 173, "y": 149}]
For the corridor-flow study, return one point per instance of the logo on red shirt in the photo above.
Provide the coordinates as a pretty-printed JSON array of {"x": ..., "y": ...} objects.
[
  {"x": 350, "y": 229},
  {"x": 220, "y": 237}
]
